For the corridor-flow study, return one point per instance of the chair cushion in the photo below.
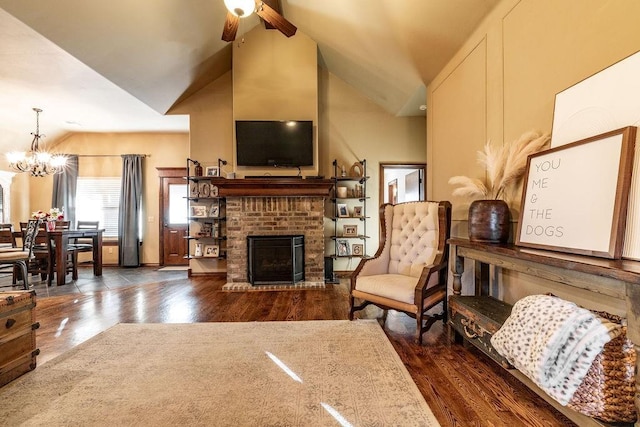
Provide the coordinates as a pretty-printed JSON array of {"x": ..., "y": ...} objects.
[
  {"x": 397, "y": 287},
  {"x": 10, "y": 256},
  {"x": 414, "y": 238},
  {"x": 393, "y": 286}
]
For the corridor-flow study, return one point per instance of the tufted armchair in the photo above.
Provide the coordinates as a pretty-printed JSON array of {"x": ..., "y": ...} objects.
[{"x": 408, "y": 273}]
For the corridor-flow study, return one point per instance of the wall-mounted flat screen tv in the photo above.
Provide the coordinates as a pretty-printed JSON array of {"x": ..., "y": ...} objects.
[{"x": 287, "y": 143}]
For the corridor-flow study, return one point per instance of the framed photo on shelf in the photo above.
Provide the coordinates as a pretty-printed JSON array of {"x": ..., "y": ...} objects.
[
  {"x": 198, "y": 251},
  {"x": 205, "y": 189},
  {"x": 212, "y": 251},
  {"x": 199, "y": 211},
  {"x": 357, "y": 211},
  {"x": 357, "y": 249},
  {"x": 212, "y": 171},
  {"x": 343, "y": 211},
  {"x": 343, "y": 248},
  {"x": 205, "y": 230},
  {"x": 349, "y": 230},
  {"x": 214, "y": 210}
]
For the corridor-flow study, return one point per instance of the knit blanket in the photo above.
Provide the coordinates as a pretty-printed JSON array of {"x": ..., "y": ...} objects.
[{"x": 553, "y": 342}]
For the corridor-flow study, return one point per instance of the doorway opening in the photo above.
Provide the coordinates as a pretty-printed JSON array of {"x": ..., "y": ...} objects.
[{"x": 402, "y": 182}]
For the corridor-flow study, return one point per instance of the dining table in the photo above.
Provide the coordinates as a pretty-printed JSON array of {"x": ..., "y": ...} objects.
[{"x": 60, "y": 239}]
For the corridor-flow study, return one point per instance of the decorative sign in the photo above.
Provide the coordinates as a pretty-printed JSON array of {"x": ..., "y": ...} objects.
[{"x": 575, "y": 196}]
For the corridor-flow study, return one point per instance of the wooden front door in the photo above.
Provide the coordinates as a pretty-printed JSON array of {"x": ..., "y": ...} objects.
[{"x": 173, "y": 217}]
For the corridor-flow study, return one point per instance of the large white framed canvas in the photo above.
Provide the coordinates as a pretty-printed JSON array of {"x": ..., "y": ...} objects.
[
  {"x": 575, "y": 196},
  {"x": 603, "y": 102}
]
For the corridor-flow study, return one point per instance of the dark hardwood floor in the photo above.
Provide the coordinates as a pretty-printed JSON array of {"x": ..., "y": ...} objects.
[{"x": 461, "y": 385}]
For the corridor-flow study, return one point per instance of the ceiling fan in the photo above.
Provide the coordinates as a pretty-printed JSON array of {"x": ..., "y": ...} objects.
[{"x": 237, "y": 9}]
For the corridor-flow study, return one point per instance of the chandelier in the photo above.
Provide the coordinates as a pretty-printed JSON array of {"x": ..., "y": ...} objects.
[{"x": 37, "y": 161}]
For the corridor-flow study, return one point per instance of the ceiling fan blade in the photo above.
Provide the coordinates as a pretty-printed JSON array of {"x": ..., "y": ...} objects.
[
  {"x": 275, "y": 5},
  {"x": 274, "y": 18},
  {"x": 230, "y": 27}
]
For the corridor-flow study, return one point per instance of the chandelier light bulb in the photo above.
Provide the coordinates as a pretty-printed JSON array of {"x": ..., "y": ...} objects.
[{"x": 240, "y": 8}]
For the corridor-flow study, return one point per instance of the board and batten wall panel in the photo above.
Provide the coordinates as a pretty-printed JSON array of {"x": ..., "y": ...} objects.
[
  {"x": 549, "y": 46},
  {"x": 458, "y": 108},
  {"x": 536, "y": 48}
]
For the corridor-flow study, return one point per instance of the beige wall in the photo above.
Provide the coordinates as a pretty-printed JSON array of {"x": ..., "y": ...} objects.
[
  {"x": 504, "y": 80},
  {"x": 164, "y": 150},
  {"x": 352, "y": 127},
  {"x": 211, "y": 138},
  {"x": 276, "y": 78},
  {"x": 290, "y": 85}
]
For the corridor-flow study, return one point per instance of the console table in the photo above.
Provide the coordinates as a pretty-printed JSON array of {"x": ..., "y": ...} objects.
[{"x": 616, "y": 278}]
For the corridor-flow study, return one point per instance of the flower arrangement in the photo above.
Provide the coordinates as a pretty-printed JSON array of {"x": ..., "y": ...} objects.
[
  {"x": 505, "y": 167},
  {"x": 54, "y": 214}
]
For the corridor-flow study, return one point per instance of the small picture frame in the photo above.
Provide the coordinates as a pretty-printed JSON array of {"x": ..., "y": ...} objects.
[
  {"x": 214, "y": 210},
  {"x": 343, "y": 211},
  {"x": 342, "y": 247},
  {"x": 212, "y": 171},
  {"x": 211, "y": 251},
  {"x": 357, "y": 249},
  {"x": 205, "y": 230},
  {"x": 194, "y": 190},
  {"x": 357, "y": 211},
  {"x": 198, "y": 251},
  {"x": 349, "y": 230},
  {"x": 205, "y": 189},
  {"x": 198, "y": 211}
]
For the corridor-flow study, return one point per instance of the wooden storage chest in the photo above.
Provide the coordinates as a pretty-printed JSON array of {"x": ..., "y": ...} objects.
[
  {"x": 477, "y": 318},
  {"x": 17, "y": 334}
]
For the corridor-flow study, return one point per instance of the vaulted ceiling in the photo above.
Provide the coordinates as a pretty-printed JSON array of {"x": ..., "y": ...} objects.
[{"x": 120, "y": 65}]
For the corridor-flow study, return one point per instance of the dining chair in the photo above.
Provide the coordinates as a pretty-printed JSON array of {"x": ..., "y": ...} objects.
[
  {"x": 20, "y": 258},
  {"x": 85, "y": 245},
  {"x": 44, "y": 255},
  {"x": 7, "y": 238},
  {"x": 71, "y": 262}
]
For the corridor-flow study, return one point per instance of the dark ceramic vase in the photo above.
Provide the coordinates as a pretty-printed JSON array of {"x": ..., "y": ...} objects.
[{"x": 489, "y": 221}]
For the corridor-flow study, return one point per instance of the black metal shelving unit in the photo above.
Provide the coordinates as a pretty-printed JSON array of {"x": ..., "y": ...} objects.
[{"x": 349, "y": 206}]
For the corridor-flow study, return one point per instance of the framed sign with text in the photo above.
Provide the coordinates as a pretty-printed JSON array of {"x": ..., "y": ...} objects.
[{"x": 575, "y": 196}]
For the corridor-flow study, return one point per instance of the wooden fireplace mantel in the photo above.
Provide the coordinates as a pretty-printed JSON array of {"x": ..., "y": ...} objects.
[{"x": 273, "y": 187}]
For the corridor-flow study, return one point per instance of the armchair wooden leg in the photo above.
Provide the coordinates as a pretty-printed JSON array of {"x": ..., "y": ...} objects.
[{"x": 419, "y": 328}]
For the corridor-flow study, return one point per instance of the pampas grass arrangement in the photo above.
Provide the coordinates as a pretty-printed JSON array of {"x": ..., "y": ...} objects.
[{"x": 505, "y": 167}]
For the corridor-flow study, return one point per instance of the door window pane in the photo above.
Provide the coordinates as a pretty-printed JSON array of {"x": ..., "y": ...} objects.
[{"x": 178, "y": 203}]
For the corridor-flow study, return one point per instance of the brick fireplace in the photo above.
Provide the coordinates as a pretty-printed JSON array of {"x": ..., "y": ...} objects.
[{"x": 275, "y": 207}]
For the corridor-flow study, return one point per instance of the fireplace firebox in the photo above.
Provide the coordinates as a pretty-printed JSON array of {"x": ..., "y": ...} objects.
[{"x": 275, "y": 259}]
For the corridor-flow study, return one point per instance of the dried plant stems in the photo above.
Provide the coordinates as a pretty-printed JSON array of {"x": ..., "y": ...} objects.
[{"x": 505, "y": 167}]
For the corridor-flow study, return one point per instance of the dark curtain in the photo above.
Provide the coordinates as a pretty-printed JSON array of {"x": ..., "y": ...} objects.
[
  {"x": 65, "y": 184},
  {"x": 130, "y": 211}
]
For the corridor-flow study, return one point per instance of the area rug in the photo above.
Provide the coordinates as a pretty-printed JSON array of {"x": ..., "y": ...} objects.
[
  {"x": 243, "y": 286},
  {"x": 311, "y": 373}
]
